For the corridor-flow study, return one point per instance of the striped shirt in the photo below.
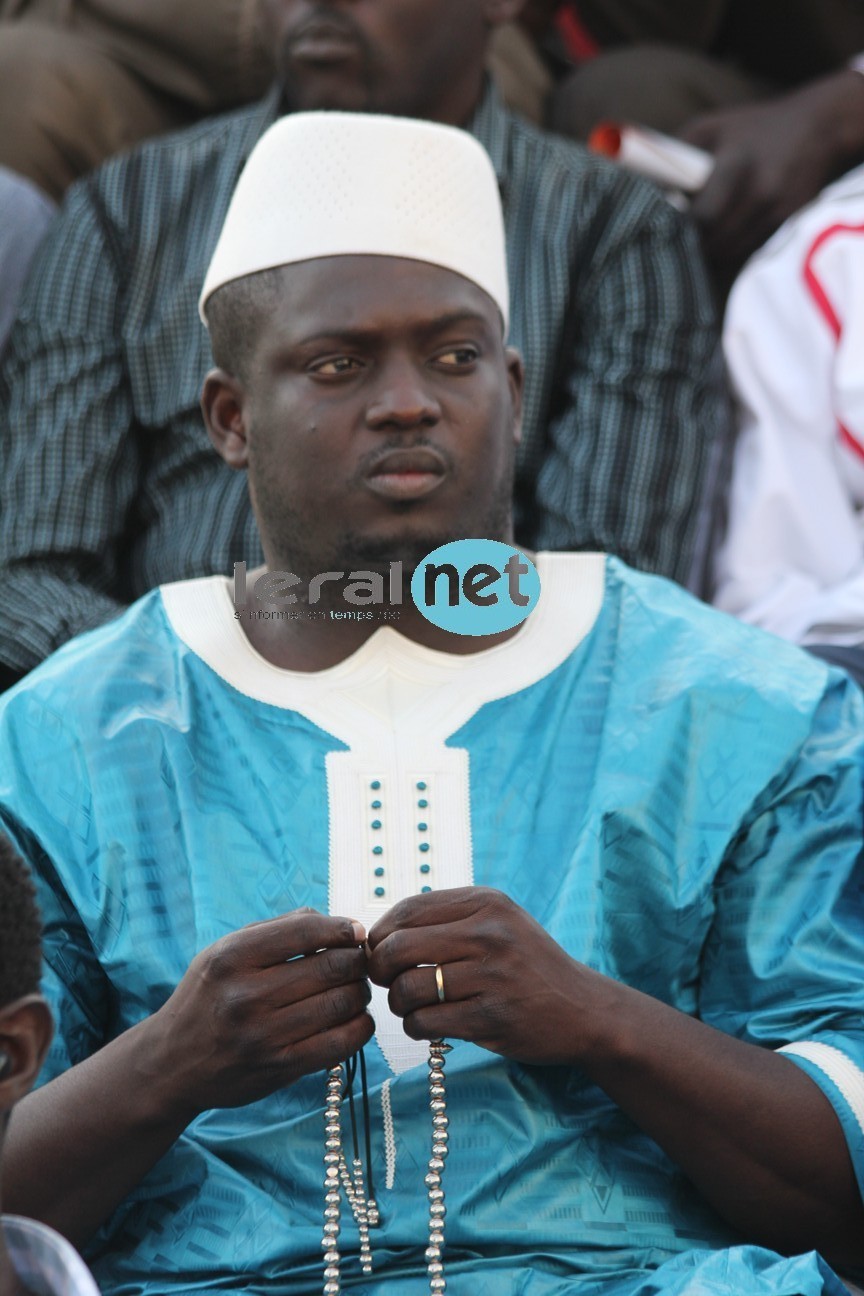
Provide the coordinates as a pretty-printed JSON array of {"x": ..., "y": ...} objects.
[{"x": 110, "y": 485}]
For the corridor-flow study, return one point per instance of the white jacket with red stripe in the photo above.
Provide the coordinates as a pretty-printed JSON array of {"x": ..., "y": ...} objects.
[{"x": 793, "y": 558}]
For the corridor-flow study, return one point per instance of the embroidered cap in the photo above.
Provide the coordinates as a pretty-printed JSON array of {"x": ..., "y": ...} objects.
[{"x": 322, "y": 184}]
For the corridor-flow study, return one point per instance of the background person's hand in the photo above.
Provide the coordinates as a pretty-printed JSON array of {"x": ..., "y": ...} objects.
[
  {"x": 262, "y": 1007},
  {"x": 509, "y": 986},
  {"x": 772, "y": 158}
]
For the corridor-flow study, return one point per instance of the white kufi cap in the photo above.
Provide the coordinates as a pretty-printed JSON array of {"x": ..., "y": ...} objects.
[{"x": 324, "y": 184}]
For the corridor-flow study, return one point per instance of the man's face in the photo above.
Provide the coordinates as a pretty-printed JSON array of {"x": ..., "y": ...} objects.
[
  {"x": 379, "y": 415},
  {"x": 409, "y": 58}
]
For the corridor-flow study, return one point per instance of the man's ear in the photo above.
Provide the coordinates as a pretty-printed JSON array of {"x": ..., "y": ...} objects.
[
  {"x": 516, "y": 382},
  {"x": 501, "y": 11},
  {"x": 222, "y": 404},
  {"x": 25, "y": 1033}
]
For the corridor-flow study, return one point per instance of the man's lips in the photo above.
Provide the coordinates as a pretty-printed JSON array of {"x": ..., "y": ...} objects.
[
  {"x": 406, "y": 474},
  {"x": 320, "y": 41}
]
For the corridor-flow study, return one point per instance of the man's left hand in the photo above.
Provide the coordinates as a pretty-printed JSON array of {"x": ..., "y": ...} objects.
[
  {"x": 747, "y": 1126},
  {"x": 508, "y": 986}
]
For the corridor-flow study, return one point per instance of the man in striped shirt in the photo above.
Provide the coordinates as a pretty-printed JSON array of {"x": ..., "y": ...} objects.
[{"x": 110, "y": 485}]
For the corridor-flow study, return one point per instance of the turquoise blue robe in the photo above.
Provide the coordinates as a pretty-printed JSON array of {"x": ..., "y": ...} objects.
[{"x": 677, "y": 798}]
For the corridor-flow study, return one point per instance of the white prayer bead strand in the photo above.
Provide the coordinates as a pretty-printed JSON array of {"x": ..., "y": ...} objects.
[
  {"x": 434, "y": 1254},
  {"x": 338, "y": 1176},
  {"x": 333, "y": 1156}
]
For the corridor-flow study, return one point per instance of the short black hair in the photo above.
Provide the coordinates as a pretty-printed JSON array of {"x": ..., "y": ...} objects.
[
  {"x": 20, "y": 927},
  {"x": 234, "y": 318}
]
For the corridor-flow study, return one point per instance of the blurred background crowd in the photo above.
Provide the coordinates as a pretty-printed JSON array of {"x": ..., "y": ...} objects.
[{"x": 696, "y": 384}]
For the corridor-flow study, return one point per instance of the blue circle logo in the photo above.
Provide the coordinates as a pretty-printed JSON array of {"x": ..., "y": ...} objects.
[{"x": 475, "y": 587}]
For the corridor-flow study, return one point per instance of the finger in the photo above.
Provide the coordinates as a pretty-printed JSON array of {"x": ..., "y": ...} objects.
[
  {"x": 411, "y": 947},
  {"x": 324, "y": 1050},
  {"x": 465, "y": 1021},
  {"x": 418, "y": 987},
  {"x": 292, "y": 935},
  {"x": 262, "y": 922},
  {"x": 319, "y": 1014},
  {"x": 702, "y": 132},
  {"x": 712, "y": 206},
  {"x": 426, "y": 910},
  {"x": 251, "y": 1007},
  {"x": 302, "y": 978},
  {"x": 488, "y": 923}
]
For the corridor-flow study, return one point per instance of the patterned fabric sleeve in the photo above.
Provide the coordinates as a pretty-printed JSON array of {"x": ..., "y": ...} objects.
[
  {"x": 70, "y": 466},
  {"x": 784, "y": 964},
  {"x": 637, "y": 449}
]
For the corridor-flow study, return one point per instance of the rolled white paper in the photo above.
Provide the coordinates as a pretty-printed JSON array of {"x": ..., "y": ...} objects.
[{"x": 666, "y": 161}]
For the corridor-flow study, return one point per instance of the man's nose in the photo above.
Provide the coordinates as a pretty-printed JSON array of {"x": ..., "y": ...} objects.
[{"x": 402, "y": 398}]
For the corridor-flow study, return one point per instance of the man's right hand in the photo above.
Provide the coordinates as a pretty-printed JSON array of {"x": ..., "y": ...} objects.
[
  {"x": 260, "y": 1008},
  {"x": 254, "y": 1012}
]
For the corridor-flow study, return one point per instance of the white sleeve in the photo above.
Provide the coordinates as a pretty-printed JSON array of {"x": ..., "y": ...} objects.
[{"x": 793, "y": 559}]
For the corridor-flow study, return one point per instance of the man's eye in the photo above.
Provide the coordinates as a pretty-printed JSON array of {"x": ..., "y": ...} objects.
[
  {"x": 459, "y": 356},
  {"x": 337, "y": 365}
]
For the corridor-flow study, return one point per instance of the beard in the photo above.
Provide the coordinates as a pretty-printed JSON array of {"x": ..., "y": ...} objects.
[
  {"x": 495, "y": 522},
  {"x": 295, "y": 542}
]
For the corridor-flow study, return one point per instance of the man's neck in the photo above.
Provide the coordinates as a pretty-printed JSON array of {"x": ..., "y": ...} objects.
[
  {"x": 456, "y": 106},
  {"x": 307, "y": 637}
]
